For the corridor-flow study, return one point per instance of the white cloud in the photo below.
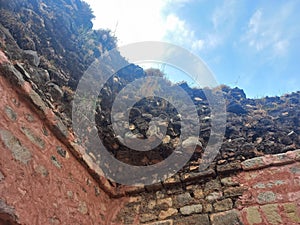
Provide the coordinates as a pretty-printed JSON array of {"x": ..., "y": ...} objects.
[
  {"x": 271, "y": 33},
  {"x": 178, "y": 32},
  {"x": 131, "y": 21},
  {"x": 141, "y": 20}
]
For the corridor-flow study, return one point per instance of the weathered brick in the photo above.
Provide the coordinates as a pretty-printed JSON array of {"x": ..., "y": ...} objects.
[
  {"x": 214, "y": 196},
  {"x": 199, "y": 175},
  {"x": 60, "y": 130},
  {"x": 164, "y": 214},
  {"x": 254, "y": 163},
  {"x": 37, "y": 101},
  {"x": 270, "y": 184},
  {"x": 183, "y": 199},
  {"x": 292, "y": 212},
  {"x": 234, "y": 191},
  {"x": 253, "y": 216},
  {"x": 41, "y": 170},
  {"x": 191, "y": 209},
  {"x": 82, "y": 208},
  {"x": 35, "y": 139},
  {"x": 198, "y": 194},
  {"x": 11, "y": 114},
  {"x": 266, "y": 197},
  {"x": 281, "y": 159},
  {"x": 228, "y": 181},
  {"x": 19, "y": 152},
  {"x": 229, "y": 167},
  {"x": 197, "y": 219},
  {"x": 223, "y": 205},
  {"x": 207, "y": 208},
  {"x": 272, "y": 214},
  {"x": 213, "y": 185},
  {"x": 147, "y": 217},
  {"x": 165, "y": 222},
  {"x": 229, "y": 217}
]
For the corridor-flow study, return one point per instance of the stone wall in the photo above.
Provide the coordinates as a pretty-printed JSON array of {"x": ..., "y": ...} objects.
[
  {"x": 258, "y": 191},
  {"x": 41, "y": 178},
  {"x": 46, "y": 177}
]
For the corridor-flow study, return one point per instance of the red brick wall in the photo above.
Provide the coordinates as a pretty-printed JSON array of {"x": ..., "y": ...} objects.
[
  {"x": 273, "y": 193},
  {"x": 41, "y": 182}
]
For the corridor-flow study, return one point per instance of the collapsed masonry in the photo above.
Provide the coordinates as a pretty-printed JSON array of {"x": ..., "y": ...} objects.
[{"x": 48, "y": 177}]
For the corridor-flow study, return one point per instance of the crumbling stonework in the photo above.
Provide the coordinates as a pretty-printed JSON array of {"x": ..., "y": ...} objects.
[
  {"x": 46, "y": 177},
  {"x": 41, "y": 182}
]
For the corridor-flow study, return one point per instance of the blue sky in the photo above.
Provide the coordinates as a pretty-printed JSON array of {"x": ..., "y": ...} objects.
[{"x": 254, "y": 45}]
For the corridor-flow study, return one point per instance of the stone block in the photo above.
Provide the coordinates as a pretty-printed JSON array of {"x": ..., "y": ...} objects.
[
  {"x": 214, "y": 196},
  {"x": 191, "y": 209},
  {"x": 254, "y": 163},
  {"x": 10, "y": 113},
  {"x": 35, "y": 139},
  {"x": 282, "y": 159},
  {"x": 272, "y": 214},
  {"x": 183, "y": 199},
  {"x": 266, "y": 197},
  {"x": 164, "y": 214},
  {"x": 234, "y": 191},
  {"x": 229, "y": 217},
  {"x": 229, "y": 167},
  {"x": 165, "y": 222},
  {"x": 197, "y": 219},
  {"x": 292, "y": 212},
  {"x": 223, "y": 205},
  {"x": 253, "y": 216},
  {"x": 213, "y": 185},
  {"x": 13, "y": 144},
  {"x": 198, "y": 175},
  {"x": 228, "y": 181},
  {"x": 198, "y": 194}
]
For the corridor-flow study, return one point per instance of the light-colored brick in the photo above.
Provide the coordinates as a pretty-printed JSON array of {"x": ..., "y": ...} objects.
[
  {"x": 255, "y": 163},
  {"x": 164, "y": 214},
  {"x": 253, "y": 216},
  {"x": 266, "y": 197},
  {"x": 292, "y": 212},
  {"x": 165, "y": 222},
  {"x": 229, "y": 217},
  {"x": 223, "y": 205},
  {"x": 198, "y": 194},
  {"x": 272, "y": 214},
  {"x": 191, "y": 209}
]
